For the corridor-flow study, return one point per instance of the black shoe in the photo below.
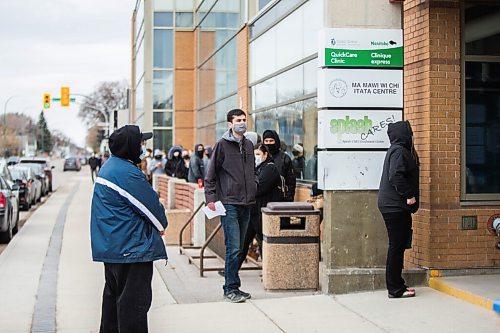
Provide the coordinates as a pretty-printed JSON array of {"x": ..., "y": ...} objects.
[
  {"x": 234, "y": 297},
  {"x": 244, "y": 294}
]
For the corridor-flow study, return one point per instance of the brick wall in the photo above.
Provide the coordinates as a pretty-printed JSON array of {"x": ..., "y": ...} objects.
[
  {"x": 432, "y": 79},
  {"x": 242, "y": 46},
  {"x": 162, "y": 187},
  {"x": 184, "y": 88},
  {"x": 184, "y": 196}
]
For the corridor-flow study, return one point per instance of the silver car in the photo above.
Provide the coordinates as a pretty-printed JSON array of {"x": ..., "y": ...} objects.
[
  {"x": 9, "y": 218},
  {"x": 36, "y": 184}
]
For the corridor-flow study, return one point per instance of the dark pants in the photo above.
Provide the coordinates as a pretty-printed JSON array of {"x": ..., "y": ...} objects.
[
  {"x": 254, "y": 230},
  {"x": 127, "y": 297},
  {"x": 93, "y": 173},
  {"x": 398, "y": 229},
  {"x": 235, "y": 225}
]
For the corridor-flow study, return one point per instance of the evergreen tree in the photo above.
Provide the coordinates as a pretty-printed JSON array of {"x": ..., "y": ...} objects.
[{"x": 44, "y": 140}]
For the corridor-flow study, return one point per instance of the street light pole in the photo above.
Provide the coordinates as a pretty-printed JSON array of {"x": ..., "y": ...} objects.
[{"x": 5, "y": 121}]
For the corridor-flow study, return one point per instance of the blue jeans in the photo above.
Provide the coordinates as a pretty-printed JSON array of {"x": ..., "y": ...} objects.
[{"x": 235, "y": 225}]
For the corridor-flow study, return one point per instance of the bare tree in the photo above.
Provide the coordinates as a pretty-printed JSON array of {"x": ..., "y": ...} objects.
[{"x": 107, "y": 97}]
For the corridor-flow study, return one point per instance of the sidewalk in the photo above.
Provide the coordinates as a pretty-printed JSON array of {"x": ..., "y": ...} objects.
[{"x": 197, "y": 306}]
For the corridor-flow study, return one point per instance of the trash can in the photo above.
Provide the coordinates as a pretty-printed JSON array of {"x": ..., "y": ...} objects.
[{"x": 290, "y": 246}]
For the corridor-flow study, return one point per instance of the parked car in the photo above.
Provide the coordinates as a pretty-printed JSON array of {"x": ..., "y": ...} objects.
[
  {"x": 36, "y": 184},
  {"x": 13, "y": 160},
  {"x": 47, "y": 169},
  {"x": 72, "y": 163},
  {"x": 5, "y": 173},
  {"x": 25, "y": 187},
  {"x": 9, "y": 219},
  {"x": 40, "y": 175}
]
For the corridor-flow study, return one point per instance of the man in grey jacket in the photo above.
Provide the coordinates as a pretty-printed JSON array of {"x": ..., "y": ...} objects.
[{"x": 231, "y": 179}]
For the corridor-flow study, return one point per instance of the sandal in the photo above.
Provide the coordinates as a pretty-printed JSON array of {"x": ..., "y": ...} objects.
[
  {"x": 410, "y": 289},
  {"x": 406, "y": 294}
]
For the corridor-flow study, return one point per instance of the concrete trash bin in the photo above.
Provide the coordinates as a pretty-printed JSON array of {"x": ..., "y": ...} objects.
[{"x": 290, "y": 246}]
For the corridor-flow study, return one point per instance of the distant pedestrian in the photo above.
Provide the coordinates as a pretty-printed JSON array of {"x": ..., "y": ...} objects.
[
  {"x": 231, "y": 179},
  {"x": 208, "y": 156},
  {"x": 104, "y": 159},
  {"x": 299, "y": 161},
  {"x": 156, "y": 165},
  {"x": 182, "y": 169},
  {"x": 94, "y": 164},
  {"x": 398, "y": 198},
  {"x": 283, "y": 161},
  {"x": 173, "y": 158},
  {"x": 268, "y": 190},
  {"x": 127, "y": 221},
  {"x": 196, "y": 167}
]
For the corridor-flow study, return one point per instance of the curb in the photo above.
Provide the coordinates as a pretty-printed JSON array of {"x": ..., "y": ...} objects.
[{"x": 446, "y": 288}]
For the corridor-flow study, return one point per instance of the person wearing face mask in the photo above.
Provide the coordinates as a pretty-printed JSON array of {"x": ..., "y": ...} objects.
[
  {"x": 283, "y": 161},
  {"x": 127, "y": 221},
  {"x": 173, "y": 158},
  {"x": 231, "y": 179},
  {"x": 268, "y": 182},
  {"x": 157, "y": 164},
  {"x": 182, "y": 168},
  {"x": 299, "y": 161},
  {"x": 196, "y": 167},
  {"x": 208, "y": 156}
]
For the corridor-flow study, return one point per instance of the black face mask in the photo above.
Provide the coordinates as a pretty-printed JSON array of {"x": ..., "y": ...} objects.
[
  {"x": 199, "y": 154},
  {"x": 158, "y": 158},
  {"x": 186, "y": 157},
  {"x": 295, "y": 153},
  {"x": 272, "y": 148}
]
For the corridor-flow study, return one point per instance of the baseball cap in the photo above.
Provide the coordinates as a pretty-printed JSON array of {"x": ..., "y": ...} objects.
[
  {"x": 298, "y": 148},
  {"x": 146, "y": 136}
]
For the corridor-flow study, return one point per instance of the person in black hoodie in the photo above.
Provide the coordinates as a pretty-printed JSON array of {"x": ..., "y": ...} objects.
[
  {"x": 268, "y": 180},
  {"x": 283, "y": 161},
  {"x": 196, "y": 167},
  {"x": 173, "y": 158},
  {"x": 398, "y": 198}
]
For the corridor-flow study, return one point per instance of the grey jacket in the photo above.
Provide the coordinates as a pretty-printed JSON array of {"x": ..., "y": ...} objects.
[{"x": 230, "y": 177}]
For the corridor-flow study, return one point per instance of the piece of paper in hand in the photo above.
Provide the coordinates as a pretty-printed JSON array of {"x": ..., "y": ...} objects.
[{"x": 219, "y": 210}]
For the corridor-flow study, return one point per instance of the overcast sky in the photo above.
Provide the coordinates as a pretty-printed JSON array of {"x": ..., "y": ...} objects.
[{"x": 52, "y": 43}]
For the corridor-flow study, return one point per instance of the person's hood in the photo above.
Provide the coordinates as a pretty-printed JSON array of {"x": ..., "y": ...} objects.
[
  {"x": 158, "y": 152},
  {"x": 197, "y": 145},
  {"x": 228, "y": 136},
  {"x": 125, "y": 143},
  {"x": 272, "y": 134},
  {"x": 400, "y": 133},
  {"x": 172, "y": 150},
  {"x": 252, "y": 136}
]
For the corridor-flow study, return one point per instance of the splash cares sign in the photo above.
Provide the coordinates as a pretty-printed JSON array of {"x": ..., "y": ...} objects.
[{"x": 373, "y": 48}]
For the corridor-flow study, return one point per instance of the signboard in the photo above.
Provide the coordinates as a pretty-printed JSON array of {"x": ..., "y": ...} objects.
[
  {"x": 342, "y": 47},
  {"x": 340, "y": 87},
  {"x": 355, "y": 128},
  {"x": 350, "y": 170}
]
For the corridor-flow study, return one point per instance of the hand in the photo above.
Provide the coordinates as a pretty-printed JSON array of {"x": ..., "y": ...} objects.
[
  {"x": 211, "y": 206},
  {"x": 162, "y": 233},
  {"x": 411, "y": 201},
  {"x": 158, "y": 165}
]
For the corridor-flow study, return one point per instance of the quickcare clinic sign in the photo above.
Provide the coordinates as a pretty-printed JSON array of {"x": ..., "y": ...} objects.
[{"x": 342, "y": 47}]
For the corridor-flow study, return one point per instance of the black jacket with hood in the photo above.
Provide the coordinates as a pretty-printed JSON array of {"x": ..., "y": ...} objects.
[
  {"x": 283, "y": 163},
  {"x": 172, "y": 160},
  {"x": 400, "y": 174},
  {"x": 268, "y": 180},
  {"x": 196, "y": 166},
  {"x": 230, "y": 177}
]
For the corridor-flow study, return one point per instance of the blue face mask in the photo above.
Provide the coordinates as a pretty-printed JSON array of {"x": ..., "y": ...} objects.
[
  {"x": 143, "y": 153},
  {"x": 240, "y": 128}
]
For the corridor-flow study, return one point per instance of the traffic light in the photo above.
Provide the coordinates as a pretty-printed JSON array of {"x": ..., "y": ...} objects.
[
  {"x": 46, "y": 101},
  {"x": 65, "y": 96}
]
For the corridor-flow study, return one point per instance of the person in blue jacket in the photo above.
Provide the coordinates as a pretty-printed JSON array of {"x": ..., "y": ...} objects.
[{"x": 127, "y": 222}]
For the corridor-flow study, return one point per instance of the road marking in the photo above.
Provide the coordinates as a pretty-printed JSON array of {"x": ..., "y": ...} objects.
[{"x": 44, "y": 316}]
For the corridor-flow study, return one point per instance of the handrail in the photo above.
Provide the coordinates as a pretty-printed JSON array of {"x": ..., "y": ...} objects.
[
  {"x": 202, "y": 250},
  {"x": 186, "y": 225}
]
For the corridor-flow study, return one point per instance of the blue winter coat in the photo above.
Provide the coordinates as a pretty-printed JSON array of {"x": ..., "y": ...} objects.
[{"x": 126, "y": 216}]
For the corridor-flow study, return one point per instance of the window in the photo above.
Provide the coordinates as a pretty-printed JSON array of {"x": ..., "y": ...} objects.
[
  {"x": 163, "y": 89},
  {"x": 162, "y": 119},
  {"x": 163, "y": 20},
  {"x": 163, "y": 49},
  {"x": 162, "y": 139},
  {"x": 183, "y": 20},
  {"x": 482, "y": 101}
]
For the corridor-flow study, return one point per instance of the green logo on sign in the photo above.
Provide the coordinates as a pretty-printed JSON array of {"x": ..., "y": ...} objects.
[{"x": 350, "y": 126}]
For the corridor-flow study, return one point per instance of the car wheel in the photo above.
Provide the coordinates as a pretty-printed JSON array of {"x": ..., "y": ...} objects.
[
  {"x": 15, "y": 229},
  {"x": 6, "y": 236}
]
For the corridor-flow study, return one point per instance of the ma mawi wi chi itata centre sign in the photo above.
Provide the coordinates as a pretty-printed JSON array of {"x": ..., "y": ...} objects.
[{"x": 372, "y": 48}]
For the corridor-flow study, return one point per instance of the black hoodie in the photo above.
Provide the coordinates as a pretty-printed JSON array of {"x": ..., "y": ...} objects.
[
  {"x": 283, "y": 163},
  {"x": 400, "y": 174},
  {"x": 125, "y": 143}
]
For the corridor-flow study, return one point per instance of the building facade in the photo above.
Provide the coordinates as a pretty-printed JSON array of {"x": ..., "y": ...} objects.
[{"x": 195, "y": 60}]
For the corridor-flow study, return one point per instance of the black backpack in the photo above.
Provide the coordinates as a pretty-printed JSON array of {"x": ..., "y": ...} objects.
[{"x": 282, "y": 188}]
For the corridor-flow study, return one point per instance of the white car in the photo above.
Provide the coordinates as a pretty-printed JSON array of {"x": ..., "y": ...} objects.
[{"x": 36, "y": 183}]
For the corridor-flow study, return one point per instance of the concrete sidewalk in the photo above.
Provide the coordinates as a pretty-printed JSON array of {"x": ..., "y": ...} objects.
[{"x": 79, "y": 283}]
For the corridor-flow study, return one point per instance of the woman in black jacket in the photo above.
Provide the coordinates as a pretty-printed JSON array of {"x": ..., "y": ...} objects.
[
  {"x": 268, "y": 181},
  {"x": 398, "y": 198}
]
